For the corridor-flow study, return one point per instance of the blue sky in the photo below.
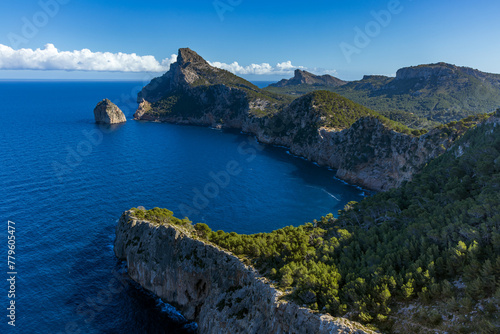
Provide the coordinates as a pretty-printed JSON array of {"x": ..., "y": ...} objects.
[{"x": 309, "y": 34}]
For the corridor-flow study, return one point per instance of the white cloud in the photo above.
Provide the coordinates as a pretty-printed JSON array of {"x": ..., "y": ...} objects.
[
  {"x": 258, "y": 69},
  {"x": 287, "y": 66},
  {"x": 50, "y": 58}
]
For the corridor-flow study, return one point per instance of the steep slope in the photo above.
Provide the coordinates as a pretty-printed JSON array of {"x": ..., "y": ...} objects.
[
  {"x": 364, "y": 147},
  {"x": 437, "y": 92}
]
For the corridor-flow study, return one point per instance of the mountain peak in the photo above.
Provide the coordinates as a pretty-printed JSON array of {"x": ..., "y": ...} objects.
[
  {"x": 299, "y": 72},
  {"x": 303, "y": 76},
  {"x": 186, "y": 56}
]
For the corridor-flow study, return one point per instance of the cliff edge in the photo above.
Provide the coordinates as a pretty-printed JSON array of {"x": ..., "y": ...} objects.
[{"x": 212, "y": 286}]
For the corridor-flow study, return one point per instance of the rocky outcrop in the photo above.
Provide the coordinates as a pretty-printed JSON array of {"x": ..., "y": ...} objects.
[
  {"x": 194, "y": 91},
  {"x": 303, "y": 77},
  {"x": 212, "y": 286},
  {"x": 425, "y": 72},
  {"x": 108, "y": 113},
  {"x": 188, "y": 72}
]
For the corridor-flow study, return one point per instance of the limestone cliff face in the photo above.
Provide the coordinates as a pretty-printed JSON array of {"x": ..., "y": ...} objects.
[
  {"x": 108, "y": 113},
  {"x": 439, "y": 70},
  {"x": 368, "y": 153},
  {"x": 212, "y": 286},
  {"x": 188, "y": 68},
  {"x": 447, "y": 78}
]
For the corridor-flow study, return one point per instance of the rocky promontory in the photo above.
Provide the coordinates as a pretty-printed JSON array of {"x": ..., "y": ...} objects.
[
  {"x": 107, "y": 112},
  {"x": 212, "y": 286}
]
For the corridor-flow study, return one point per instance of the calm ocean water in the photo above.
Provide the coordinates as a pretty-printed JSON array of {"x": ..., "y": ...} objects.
[{"x": 65, "y": 182}]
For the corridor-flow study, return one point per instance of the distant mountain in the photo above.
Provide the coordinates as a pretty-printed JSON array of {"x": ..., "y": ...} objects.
[
  {"x": 436, "y": 92},
  {"x": 304, "y": 77}
]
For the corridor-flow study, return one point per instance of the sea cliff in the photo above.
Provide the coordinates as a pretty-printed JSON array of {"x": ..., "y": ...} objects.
[{"x": 212, "y": 286}]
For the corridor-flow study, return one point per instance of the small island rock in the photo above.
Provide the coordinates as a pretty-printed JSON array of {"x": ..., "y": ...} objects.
[{"x": 108, "y": 113}]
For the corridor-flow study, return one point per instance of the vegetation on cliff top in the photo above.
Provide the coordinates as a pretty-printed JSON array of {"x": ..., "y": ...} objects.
[
  {"x": 340, "y": 113},
  {"x": 160, "y": 216},
  {"x": 409, "y": 119}
]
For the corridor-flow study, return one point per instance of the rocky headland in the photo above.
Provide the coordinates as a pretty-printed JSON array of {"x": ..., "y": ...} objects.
[
  {"x": 212, "y": 286},
  {"x": 218, "y": 290}
]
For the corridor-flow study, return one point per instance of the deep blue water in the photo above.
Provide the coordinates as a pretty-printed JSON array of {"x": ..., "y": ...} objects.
[{"x": 65, "y": 182}]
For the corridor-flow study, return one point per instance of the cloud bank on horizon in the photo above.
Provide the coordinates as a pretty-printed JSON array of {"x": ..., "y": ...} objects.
[
  {"x": 285, "y": 67},
  {"x": 50, "y": 58}
]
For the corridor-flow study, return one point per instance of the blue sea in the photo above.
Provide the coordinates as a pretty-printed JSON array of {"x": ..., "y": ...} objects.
[{"x": 65, "y": 182}]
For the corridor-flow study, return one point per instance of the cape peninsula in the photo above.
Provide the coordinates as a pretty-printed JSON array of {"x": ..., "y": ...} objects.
[
  {"x": 422, "y": 256},
  {"x": 210, "y": 285},
  {"x": 364, "y": 147}
]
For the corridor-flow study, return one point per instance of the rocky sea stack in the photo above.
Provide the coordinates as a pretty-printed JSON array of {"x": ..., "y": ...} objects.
[{"x": 106, "y": 112}]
